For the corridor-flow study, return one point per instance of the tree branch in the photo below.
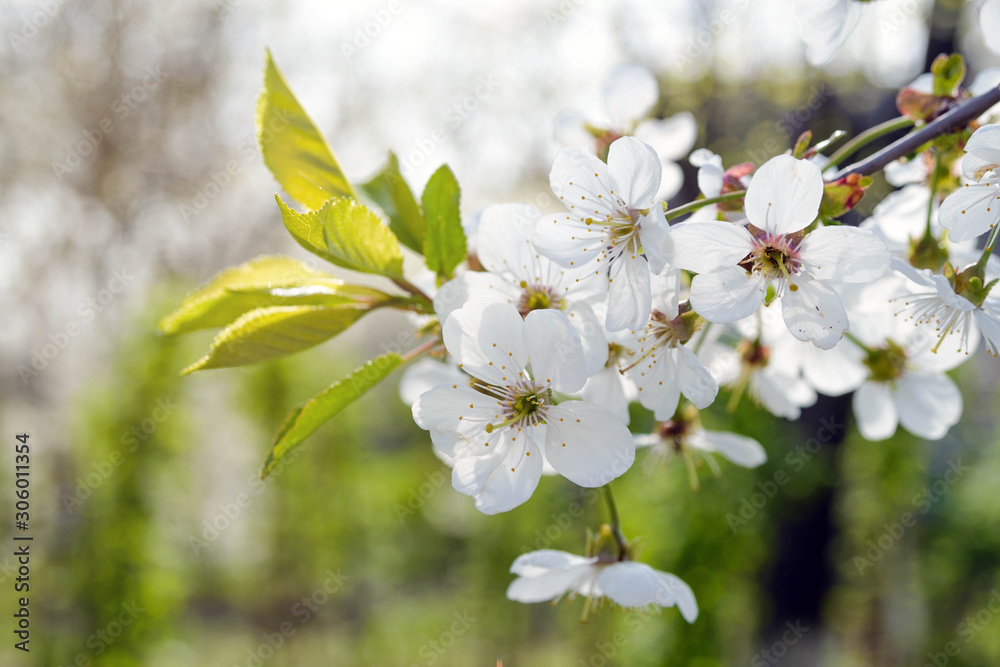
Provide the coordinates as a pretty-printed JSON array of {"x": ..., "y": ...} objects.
[{"x": 957, "y": 117}]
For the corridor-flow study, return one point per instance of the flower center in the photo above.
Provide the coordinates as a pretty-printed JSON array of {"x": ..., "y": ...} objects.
[
  {"x": 538, "y": 297},
  {"x": 773, "y": 255},
  {"x": 886, "y": 364},
  {"x": 523, "y": 404},
  {"x": 754, "y": 353}
]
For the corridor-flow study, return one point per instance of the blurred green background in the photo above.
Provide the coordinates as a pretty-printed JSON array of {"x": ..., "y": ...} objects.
[{"x": 155, "y": 543}]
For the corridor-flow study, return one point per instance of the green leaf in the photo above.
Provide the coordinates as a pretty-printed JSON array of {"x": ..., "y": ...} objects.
[
  {"x": 325, "y": 406},
  {"x": 444, "y": 246},
  {"x": 389, "y": 190},
  {"x": 949, "y": 72},
  {"x": 347, "y": 234},
  {"x": 293, "y": 148},
  {"x": 265, "y": 281},
  {"x": 269, "y": 333}
]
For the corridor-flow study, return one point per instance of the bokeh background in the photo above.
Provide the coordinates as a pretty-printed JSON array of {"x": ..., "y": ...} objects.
[{"x": 155, "y": 544}]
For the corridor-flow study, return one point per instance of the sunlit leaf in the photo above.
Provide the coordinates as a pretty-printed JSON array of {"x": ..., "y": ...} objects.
[
  {"x": 389, "y": 190},
  {"x": 444, "y": 245},
  {"x": 323, "y": 407},
  {"x": 215, "y": 304},
  {"x": 347, "y": 234},
  {"x": 293, "y": 148},
  {"x": 270, "y": 333}
]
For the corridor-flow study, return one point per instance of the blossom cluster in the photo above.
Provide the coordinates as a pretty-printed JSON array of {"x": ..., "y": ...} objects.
[{"x": 566, "y": 317}]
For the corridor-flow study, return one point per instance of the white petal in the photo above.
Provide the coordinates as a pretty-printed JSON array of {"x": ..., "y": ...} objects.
[
  {"x": 707, "y": 245},
  {"x": 813, "y": 311},
  {"x": 479, "y": 286},
  {"x": 629, "y": 297},
  {"x": 654, "y": 235},
  {"x": 970, "y": 211},
  {"x": 503, "y": 242},
  {"x": 784, "y": 195},
  {"x": 630, "y": 93},
  {"x": 635, "y": 171},
  {"x": 727, "y": 294},
  {"x": 657, "y": 380},
  {"x": 824, "y": 26},
  {"x": 929, "y": 404},
  {"x": 441, "y": 407},
  {"x": 567, "y": 241},
  {"x": 484, "y": 337},
  {"x": 632, "y": 584},
  {"x": 555, "y": 350},
  {"x": 847, "y": 254},
  {"x": 534, "y": 563},
  {"x": 514, "y": 478},
  {"x": 739, "y": 449},
  {"x": 586, "y": 444},
  {"x": 694, "y": 379},
  {"x": 577, "y": 178},
  {"x": 988, "y": 319},
  {"x": 672, "y": 138},
  {"x": 425, "y": 374},
  {"x": 591, "y": 331},
  {"x": 665, "y": 288},
  {"x": 710, "y": 171},
  {"x": 836, "y": 371},
  {"x": 781, "y": 395},
  {"x": 549, "y": 585},
  {"x": 605, "y": 389},
  {"x": 985, "y": 144},
  {"x": 875, "y": 411}
]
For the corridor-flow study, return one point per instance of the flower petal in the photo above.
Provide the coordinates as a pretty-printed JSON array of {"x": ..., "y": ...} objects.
[
  {"x": 629, "y": 297},
  {"x": 654, "y": 235},
  {"x": 555, "y": 350},
  {"x": 694, "y": 380},
  {"x": 635, "y": 171},
  {"x": 847, "y": 254},
  {"x": 567, "y": 241},
  {"x": 586, "y": 444},
  {"x": 535, "y": 563},
  {"x": 591, "y": 331},
  {"x": 739, "y": 449},
  {"x": 707, "y": 245},
  {"x": 929, "y": 404},
  {"x": 484, "y": 337},
  {"x": 970, "y": 211},
  {"x": 479, "y": 286},
  {"x": 672, "y": 138},
  {"x": 632, "y": 584},
  {"x": 513, "y": 478},
  {"x": 605, "y": 388},
  {"x": 503, "y": 240},
  {"x": 549, "y": 585},
  {"x": 455, "y": 407},
  {"x": 813, "y": 311},
  {"x": 630, "y": 93},
  {"x": 577, "y": 178},
  {"x": 727, "y": 294},
  {"x": 784, "y": 195},
  {"x": 875, "y": 411}
]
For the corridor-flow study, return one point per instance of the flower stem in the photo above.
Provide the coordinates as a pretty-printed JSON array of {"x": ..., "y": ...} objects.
[
  {"x": 934, "y": 191},
  {"x": 616, "y": 527},
  {"x": 417, "y": 351},
  {"x": 407, "y": 286},
  {"x": 868, "y": 136},
  {"x": 701, "y": 203}
]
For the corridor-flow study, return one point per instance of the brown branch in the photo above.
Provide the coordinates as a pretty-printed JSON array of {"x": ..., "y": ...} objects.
[{"x": 957, "y": 117}]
